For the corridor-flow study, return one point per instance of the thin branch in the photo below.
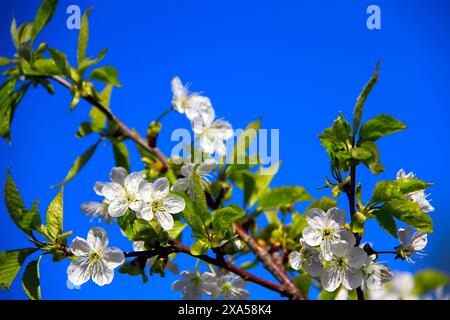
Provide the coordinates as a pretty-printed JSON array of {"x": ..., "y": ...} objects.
[
  {"x": 124, "y": 130},
  {"x": 268, "y": 261}
]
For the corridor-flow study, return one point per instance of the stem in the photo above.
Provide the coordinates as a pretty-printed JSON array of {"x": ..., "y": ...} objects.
[
  {"x": 268, "y": 261},
  {"x": 124, "y": 130},
  {"x": 386, "y": 252},
  {"x": 162, "y": 115},
  {"x": 352, "y": 204}
]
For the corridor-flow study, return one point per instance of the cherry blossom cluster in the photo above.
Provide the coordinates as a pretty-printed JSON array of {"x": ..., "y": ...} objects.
[{"x": 216, "y": 284}]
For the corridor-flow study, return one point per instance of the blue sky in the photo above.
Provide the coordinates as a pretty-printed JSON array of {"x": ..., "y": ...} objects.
[{"x": 294, "y": 63}]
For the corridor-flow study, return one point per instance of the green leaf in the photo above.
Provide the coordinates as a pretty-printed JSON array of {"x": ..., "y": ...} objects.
[
  {"x": 78, "y": 164},
  {"x": 121, "y": 155},
  {"x": 61, "y": 62},
  {"x": 325, "y": 203},
  {"x": 325, "y": 295},
  {"x": 374, "y": 162},
  {"x": 4, "y": 61},
  {"x": 43, "y": 16},
  {"x": 303, "y": 283},
  {"x": 200, "y": 199},
  {"x": 380, "y": 126},
  {"x": 134, "y": 268},
  {"x": 223, "y": 219},
  {"x": 25, "y": 32},
  {"x": 386, "y": 190},
  {"x": 86, "y": 63},
  {"x": 10, "y": 264},
  {"x": 408, "y": 185},
  {"x": 191, "y": 217},
  {"x": 298, "y": 224},
  {"x": 107, "y": 75},
  {"x": 358, "y": 221},
  {"x": 386, "y": 221},
  {"x": 83, "y": 37},
  {"x": 177, "y": 229},
  {"x": 282, "y": 197},
  {"x": 429, "y": 280},
  {"x": 14, "y": 34},
  {"x": 245, "y": 139},
  {"x": 410, "y": 213},
  {"x": 199, "y": 248},
  {"x": 357, "y": 113},
  {"x": 54, "y": 217},
  {"x": 360, "y": 153},
  {"x": 30, "y": 280}
]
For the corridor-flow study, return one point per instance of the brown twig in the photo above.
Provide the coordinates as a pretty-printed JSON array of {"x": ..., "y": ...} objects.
[{"x": 124, "y": 130}]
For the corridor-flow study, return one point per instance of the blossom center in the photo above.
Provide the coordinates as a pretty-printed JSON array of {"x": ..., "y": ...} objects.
[
  {"x": 94, "y": 257},
  {"x": 157, "y": 205}
]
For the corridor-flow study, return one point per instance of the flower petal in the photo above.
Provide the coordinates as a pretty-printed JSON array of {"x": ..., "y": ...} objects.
[
  {"x": 313, "y": 266},
  {"x": 113, "y": 257},
  {"x": 78, "y": 271},
  {"x": 132, "y": 182},
  {"x": 331, "y": 280},
  {"x": 295, "y": 260},
  {"x": 207, "y": 166},
  {"x": 146, "y": 191},
  {"x": 101, "y": 274},
  {"x": 404, "y": 235},
  {"x": 316, "y": 218},
  {"x": 118, "y": 208},
  {"x": 93, "y": 209},
  {"x": 206, "y": 144},
  {"x": 357, "y": 257},
  {"x": 112, "y": 191},
  {"x": 145, "y": 213},
  {"x": 352, "y": 278},
  {"x": 98, "y": 186},
  {"x": 419, "y": 241},
  {"x": 164, "y": 219},
  {"x": 336, "y": 218},
  {"x": 97, "y": 239},
  {"x": 137, "y": 206},
  {"x": 161, "y": 187},
  {"x": 181, "y": 185},
  {"x": 312, "y": 236},
  {"x": 174, "y": 204},
  {"x": 118, "y": 175},
  {"x": 80, "y": 247}
]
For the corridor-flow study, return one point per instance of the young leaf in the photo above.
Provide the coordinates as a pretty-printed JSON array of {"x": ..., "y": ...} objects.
[
  {"x": 79, "y": 164},
  {"x": 239, "y": 154},
  {"x": 10, "y": 264},
  {"x": 223, "y": 219},
  {"x": 408, "y": 185},
  {"x": 386, "y": 221},
  {"x": 303, "y": 283},
  {"x": 121, "y": 155},
  {"x": 373, "y": 163},
  {"x": 4, "y": 61},
  {"x": 30, "y": 280},
  {"x": 410, "y": 213},
  {"x": 14, "y": 34},
  {"x": 83, "y": 37},
  {"x": 43, "y": 16},
  {"x": 86, "y": 63},
  {"x": 61, "y": 62},
  {"x": 379, "y": 127},
  {"x": 200, "y": 199},
  {"x": 14, "y": 203},
  {"x": 54, "y": 217},
  {"x": 357, "y": 113},
  {"x": 325, "y": 203},
  {"x": 199, "y": 248},
  {"x": 386, "y": 190},
  {"x": 191, "y": 217},
  {"x": 107, "y": 75},
  {"x": 283, "y": 196}
]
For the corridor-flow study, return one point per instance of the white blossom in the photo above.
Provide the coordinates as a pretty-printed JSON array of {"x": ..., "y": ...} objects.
[
  {"x": 170, "y": 265},
  {"x": 228, "y": 287},
  {"x": 419, "y": 196},
  {"x": 375, "y": 275},
  {"x": 154, "y": 201},
  {"x": 401, "y": 287},
  {"x": 325, "y": 229},
  {"x": 95, "y": 209},
  {"x": 123, "y": 197},
  {"x": 212, "y": 133},
  {"x": 193, "y": 105},
  {"x": 193, "y": 284},
  {"x": 411, "y": 245},
  {"x": 186, "y": 184},
  {"x": 93, "y": 259},
  {"x": 310, "y": 255},
  {"x": 344, "y": 267}
]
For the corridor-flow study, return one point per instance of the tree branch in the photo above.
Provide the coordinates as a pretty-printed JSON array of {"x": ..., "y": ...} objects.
[
  {"x": 124, "y": 130},
  {"x": 268, "y": 261}
]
